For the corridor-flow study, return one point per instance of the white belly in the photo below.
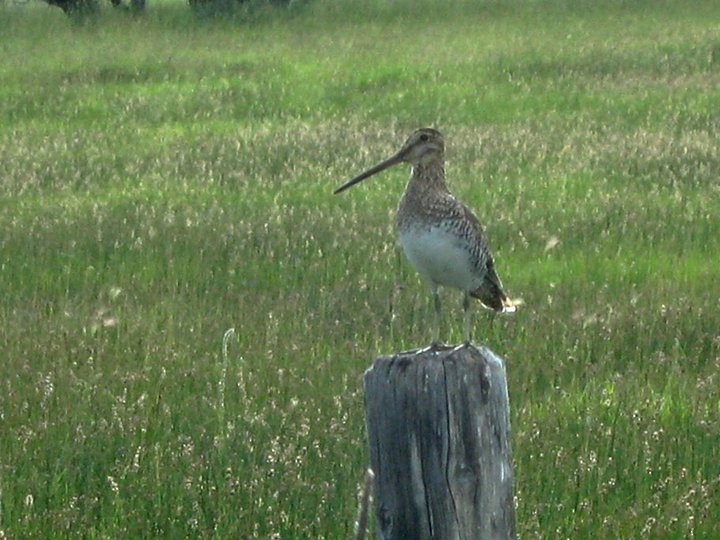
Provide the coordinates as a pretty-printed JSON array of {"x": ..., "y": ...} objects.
[{"x": 440, "y": 257}]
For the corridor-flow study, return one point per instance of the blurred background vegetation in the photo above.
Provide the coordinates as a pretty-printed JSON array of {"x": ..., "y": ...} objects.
[{"x": 169, "y": 176}]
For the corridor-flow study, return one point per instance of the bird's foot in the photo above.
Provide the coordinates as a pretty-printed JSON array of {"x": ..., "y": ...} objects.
[{"x": 434, "y": 347}]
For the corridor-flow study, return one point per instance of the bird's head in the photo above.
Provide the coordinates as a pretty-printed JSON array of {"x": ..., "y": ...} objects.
[{"x": 422, "y": 147}]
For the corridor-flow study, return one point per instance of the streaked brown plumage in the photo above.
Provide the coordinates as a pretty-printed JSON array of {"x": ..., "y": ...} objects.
[{"x": 440, "y": 236}]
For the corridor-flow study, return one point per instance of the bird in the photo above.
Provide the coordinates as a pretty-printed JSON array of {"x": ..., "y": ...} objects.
[{"x": 440, "y": 236}]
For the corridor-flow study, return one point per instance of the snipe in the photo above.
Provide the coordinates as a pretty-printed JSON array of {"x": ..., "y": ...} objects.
[{"x": 440, "y": 236}]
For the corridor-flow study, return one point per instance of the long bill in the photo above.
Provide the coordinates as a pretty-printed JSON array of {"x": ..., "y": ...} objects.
[{"x": 397, "y": 158}]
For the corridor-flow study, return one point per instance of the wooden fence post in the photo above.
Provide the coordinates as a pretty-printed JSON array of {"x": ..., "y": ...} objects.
[{"x": 439, "y": 436}]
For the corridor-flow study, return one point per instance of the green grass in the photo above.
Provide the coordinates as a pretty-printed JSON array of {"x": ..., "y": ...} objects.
[{"x": 167, "y": 178}]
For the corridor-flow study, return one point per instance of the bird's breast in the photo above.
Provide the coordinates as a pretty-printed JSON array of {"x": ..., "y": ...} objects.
[{"x": 440, "y": 255}]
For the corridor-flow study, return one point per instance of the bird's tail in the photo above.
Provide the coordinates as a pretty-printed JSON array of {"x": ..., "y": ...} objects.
[
  {"x": 494, "y": 298},
  {"x": 510, "y": 305}
]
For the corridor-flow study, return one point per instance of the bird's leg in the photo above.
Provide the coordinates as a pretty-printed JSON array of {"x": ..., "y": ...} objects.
[
  {"x": 436, "y": 317},
  {"x": 466, "y": 318},
  {"x": 435, "y": 345}
]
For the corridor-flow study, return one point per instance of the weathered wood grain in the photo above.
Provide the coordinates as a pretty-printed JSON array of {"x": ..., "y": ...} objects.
[{"x": 439, "y": 437}]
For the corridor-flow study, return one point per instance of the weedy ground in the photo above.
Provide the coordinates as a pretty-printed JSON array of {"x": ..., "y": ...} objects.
[{"x": 167, "y": 177}]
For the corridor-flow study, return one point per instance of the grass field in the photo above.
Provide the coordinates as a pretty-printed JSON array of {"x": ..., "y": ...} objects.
[{"x": 166, "y": 178}]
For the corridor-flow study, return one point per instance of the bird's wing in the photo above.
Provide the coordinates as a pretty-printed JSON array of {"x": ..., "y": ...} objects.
[
  {"x": 490, "y": 292},
  {"x": 474, "y": 235}
]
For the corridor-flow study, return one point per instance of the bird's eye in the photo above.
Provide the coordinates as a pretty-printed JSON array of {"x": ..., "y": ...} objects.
[{"x": 424, "y": 137}]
